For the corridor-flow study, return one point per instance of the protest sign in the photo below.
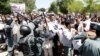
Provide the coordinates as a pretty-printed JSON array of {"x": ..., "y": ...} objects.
[{"x": 17, "y": 7}]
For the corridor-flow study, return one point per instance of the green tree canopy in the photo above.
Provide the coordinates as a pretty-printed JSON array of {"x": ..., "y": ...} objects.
[
  {"x": 75, "y": 6},
  {"x": 66, "y": 6},
  {"x": 63, "y": 5},
  {"x": 53, "y": 8},
  {"x": 92, "y": 5},
  {"x": 97, "y": 8},
  {"x": 4, "y": 6}
]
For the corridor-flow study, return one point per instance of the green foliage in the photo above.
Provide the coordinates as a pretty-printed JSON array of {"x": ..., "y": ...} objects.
[
  {"x": 66, "y": 6},
  {"x": 97, "y": 8},
  {"x": 42, "y": 9},
  {"x": 54, "y": 8},
  {"x": 4, "y": 7},
  {"x": 30, "y": 5},
  {"x": 75, "y": 6},
  {"x": 16, "y": 1},
  {"x": 63, "y": 5},
  {"x": 92, "y": 5}
]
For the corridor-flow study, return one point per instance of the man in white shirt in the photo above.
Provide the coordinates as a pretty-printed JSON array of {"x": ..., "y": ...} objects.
[{"x": 65, "y": 37}]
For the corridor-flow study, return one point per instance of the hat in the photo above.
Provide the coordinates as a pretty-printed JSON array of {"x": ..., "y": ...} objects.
[{"x": 95, "y": 25}]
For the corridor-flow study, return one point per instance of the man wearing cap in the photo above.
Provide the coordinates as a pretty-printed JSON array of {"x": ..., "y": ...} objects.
[
  {"x": 65, "y": 37},
  {"x": 49, "y": 42},
  {"x": 91, "y": 47}
]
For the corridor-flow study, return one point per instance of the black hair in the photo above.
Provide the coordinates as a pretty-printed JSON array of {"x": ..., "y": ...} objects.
[
  {"x": 62, "y": 22},
  {"x": 67, "y": 21},
  {"x": 97, "y": 32}
]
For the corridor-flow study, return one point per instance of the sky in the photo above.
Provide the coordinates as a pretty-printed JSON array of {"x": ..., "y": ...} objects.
[
  {"x": 46, "y": 3},
  {"x": 43, "y": 3}
]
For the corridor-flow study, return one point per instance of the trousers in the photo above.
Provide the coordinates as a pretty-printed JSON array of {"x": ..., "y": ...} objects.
[{"x": 10, "y": 46}]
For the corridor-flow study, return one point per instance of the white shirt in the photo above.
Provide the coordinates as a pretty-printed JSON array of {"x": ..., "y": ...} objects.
[
  {"x": 24, "y": 22},
  {"x": 65, "y": 36},
  {"x": 15, "y": 29},
  {"x": 87, "y": 22},
  {"x": 53, "y": 28},
  {"x": 32, "y": 26},
  {"x": 77, "y": 44},
  {"x": 80, "y": 27}
]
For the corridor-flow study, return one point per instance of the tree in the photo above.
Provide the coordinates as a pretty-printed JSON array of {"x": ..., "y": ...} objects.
[
  {"x": 97, "y": 8},
  {"x": 4, "y": 7},
  {"x": 63, "y": 5},
  {"x": 66, "y": 6},
  {"x": 75, "y": 6},
  {"x": 54, "y": 8},
  {"x": 30, "y": 5},
  {"x": 91, "y": 5}
]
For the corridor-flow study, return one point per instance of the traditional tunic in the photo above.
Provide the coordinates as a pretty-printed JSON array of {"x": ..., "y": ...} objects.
[
  {"x": 91, "y": 47},
  {"x": 65, "y": 37}
]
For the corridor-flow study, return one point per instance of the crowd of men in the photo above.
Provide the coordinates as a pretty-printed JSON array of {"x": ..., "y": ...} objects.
[{"x": 50, "y": 34}]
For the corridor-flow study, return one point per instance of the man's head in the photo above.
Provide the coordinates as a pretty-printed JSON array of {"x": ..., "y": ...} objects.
[
  {"x": 96, "y": 26},
  {"x": 8, "y": 20}
]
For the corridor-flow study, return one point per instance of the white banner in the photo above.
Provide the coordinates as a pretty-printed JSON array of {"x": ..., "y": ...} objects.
[{"x": 17, "y": 7}]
